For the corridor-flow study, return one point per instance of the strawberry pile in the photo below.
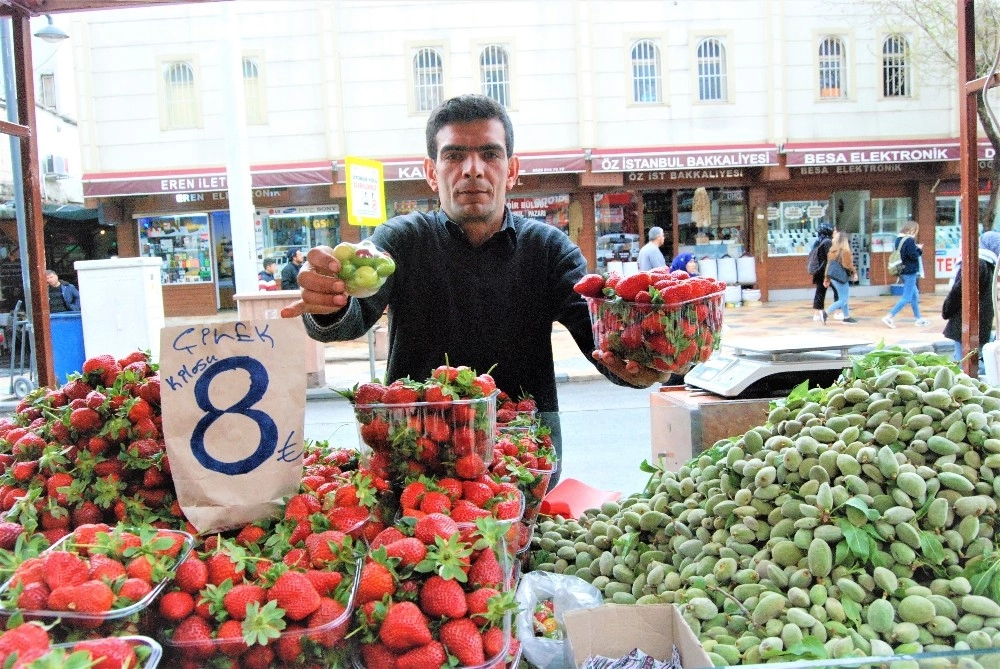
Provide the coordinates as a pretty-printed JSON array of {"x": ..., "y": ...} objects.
[
  {"x": 95, "y": 575},
  {"x": 29, "y": 645},
  {"x": 431, "y": 594},
  {"x": 441, "y": 427},
  {"x": 661, "y": 319},
  {"x": 515, "y": 414}
]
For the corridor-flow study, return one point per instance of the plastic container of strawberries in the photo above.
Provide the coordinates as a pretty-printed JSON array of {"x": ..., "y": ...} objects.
[
  {"x": 94, "y": 620},
  {"x": 440, "y": 423},
  {"x": 154, "y": 649},
  {"x": 668, "y": 338},
  {"x": 338, "y": 625}
]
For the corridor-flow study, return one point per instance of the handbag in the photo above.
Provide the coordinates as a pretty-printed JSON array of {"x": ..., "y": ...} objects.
[
  {"x": 837, "y": 272},
  {"x": 895, "y": 264}
]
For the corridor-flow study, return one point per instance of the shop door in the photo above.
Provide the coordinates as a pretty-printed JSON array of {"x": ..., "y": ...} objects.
[
  {"x": 852, "y": 214},
  {"x": 658, "y": 211},
  {"x": 222, "y": 237}
]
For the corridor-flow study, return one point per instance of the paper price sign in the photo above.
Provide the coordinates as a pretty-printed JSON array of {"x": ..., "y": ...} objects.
[
  {"x": 233, "y": 398},
  {"x": 365, "y": 191}
]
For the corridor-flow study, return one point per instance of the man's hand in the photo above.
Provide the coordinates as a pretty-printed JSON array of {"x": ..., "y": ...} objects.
[
  {"x": 320, "y": 289},
  {"x": 631, "y": 372}
]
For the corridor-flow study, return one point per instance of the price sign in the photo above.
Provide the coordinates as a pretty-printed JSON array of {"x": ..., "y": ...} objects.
[
  {"x": 816, "y": 211},
  {"x": 365, "y": 191},
  {"x": 233, "y": 398}
]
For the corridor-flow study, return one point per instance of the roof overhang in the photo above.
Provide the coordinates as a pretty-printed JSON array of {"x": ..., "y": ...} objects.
[{"x": 40, "y": 7}]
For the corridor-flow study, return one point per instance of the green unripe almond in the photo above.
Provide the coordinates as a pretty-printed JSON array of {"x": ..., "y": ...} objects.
[
  {"x": 916, "y": 609},
  {"x": 881, "y": 616},
  {"x": 820, "y": 558}
]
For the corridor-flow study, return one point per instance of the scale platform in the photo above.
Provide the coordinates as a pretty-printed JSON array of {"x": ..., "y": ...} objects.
[{"x": 771, "y": 366}]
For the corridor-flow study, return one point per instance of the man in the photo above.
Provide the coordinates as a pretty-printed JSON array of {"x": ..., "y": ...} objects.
[
  {"x": 290, "y": 272},
  {"x": 474, "y": 283},
  {"x": 650, "y": 256},
  {"x": 62, "y": 296},
  {"x": 265, "y": 279}
]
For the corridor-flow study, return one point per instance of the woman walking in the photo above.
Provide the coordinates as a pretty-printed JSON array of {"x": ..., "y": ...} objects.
[
  {"x": 840, "y": 271},
  {"x": 822, "y": 248},
  {"x": 909, "y": 253}
]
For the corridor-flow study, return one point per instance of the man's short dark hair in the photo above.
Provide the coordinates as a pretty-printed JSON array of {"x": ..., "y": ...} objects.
[{"x": 465, "y": 109}]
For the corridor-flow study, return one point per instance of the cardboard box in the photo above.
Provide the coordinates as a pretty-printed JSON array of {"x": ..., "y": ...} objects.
[{"x": 613, "y": 630}]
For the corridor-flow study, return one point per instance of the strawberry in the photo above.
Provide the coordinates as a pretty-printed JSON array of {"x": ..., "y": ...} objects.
[
  {"x": 176, "y": 606},
  {"x": 405, "y": 627},
  {"x": 249, "y": 535},
  {"x": 229, "y": 637},
  {"x": 64, "y": 569},
  {"x": 191, "y": 575},
  {"x": 87, "y": 513},
  {"x": 428, "y": 656},
  {"x": 485, "y": 383},
  {"x": 257, "y": 657},
  {"x": 629, "y": 286},
  {"x": 486, "y": 570},
  {"x": 376, "y": 582},
  {"x": 295, "y": 594},
  {"x": 435, "y": 502},
  {"x": 109, "y": 653},
  {"x": 377, "y": 656},
  {"x": 195, "y": 636},
  {"x": 29, "y": 446},
  {"x": 478, "y": 604},
  {"x": 324, "y": 582},
  {"x": 240, "y": 596},
  {"x": 442, "y": 597},
  {"x": 494, "y": 641},
  {"x": 369, "y": 393},
  {"x": 386, "y": 537},
  {"x": 9, "y": 532},
  {"x": 326, "y": 633},
  {"x": 434, "y": 525},
  {"x": 410, "y": 551},
  {"x": 85, "y": 420},
  {"x": 399, "y": 392},
  {"x": 88, "y": 597},
  {"x": 462, "y": 639},
  {"x": 412, "y": 494},
  {"x": 469, "y": 466},
  {"x": 221, "y": 567},
  {"x": 98, "y": 365},
  {"x": 34, "y": 596},
  {"x": 105, "y": 568},
  {"x": 318, "y": 546},
  {"x": 590, "y": 285},
  {"x": 301, "y": 506}
]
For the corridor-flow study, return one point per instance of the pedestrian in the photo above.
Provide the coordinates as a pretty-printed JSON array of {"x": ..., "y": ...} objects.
[
  {"x": 650, "y": 255},
  {"x": 840, "y": 272},
  {"x": 290, "y": 272},
  {"x": 475, "y": 284},
  {"x": 909, "y": 253},
  {"x": 820, "y": 249},
  {"x": 265, "y": 278},
  {"x": 951, "y": 309},
  {"x": 62, "y": 296},
  {"x": 686, "y": 263}
]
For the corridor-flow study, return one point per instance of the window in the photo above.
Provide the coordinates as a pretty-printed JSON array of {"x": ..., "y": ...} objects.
[
  {"x": 832, "y": 68},
  {"x": 253, "y": 92},
  {"x": 180, "y": 96},
  {"x": 47, "y": 90},
  {"x": 712, "y": 83},
  {"x": 494, "y": 68},
  {"x": 428, "y": 79},
  {"x": 646, "y": 72},
  {"x": 896, "y": 67}
]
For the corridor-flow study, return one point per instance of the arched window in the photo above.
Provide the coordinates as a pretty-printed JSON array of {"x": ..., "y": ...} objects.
[
  {"x": 896, "y": 67},
  {"x": 494, "y": 72},
  {"x": 180, "y": 96},
  {"x": 253, "y": 92},
  {"x": 646, "y": 78},
  {"x": 832, "y": 68},
  {"x": 428, "y": 79},
  {"x": 712, "y": 84}
]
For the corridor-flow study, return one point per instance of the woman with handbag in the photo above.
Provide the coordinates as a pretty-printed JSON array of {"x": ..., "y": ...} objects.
[
  {"x": 910, "y": 253},
  {"x": 840, "y": 271}
]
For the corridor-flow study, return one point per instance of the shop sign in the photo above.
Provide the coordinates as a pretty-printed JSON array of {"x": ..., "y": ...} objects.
[
  {"x": 683, "y": 175},
  {"x": 773, "y": 213},
  {"x": 881, "y": 168},
  {"x": 706, "y": 159},
  {"x": 412, "y": 169},
  {"x": 204, "y": 180},
  {"x": 816, "y": 211},
  {"x": 946, "y": 261},
  {"x": 870, "y": 153},
  {"x": 537, "y": 207}
]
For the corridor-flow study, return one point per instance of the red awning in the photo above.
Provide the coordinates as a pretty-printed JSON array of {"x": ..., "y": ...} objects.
[
  {"x": 683, "y": 158},
  {"x": 869, "y": 152},
  {"x": 552, "y": 162},
  {"x": 195, "y": 180}
]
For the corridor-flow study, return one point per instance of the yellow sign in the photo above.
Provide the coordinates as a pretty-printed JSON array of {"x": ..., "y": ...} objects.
[{"x": 365, "y": 191}]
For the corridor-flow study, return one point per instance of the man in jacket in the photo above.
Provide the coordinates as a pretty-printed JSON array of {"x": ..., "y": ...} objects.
[
  {"x": 62, "y": 296},
  {"x": 290, "y": 272}
]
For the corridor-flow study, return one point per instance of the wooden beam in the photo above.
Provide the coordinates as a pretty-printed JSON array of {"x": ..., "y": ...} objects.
[
  {"x": 8, "y": 128},
  {"x": 969, "y": 172},
  {"x": 979, "y": 84}
]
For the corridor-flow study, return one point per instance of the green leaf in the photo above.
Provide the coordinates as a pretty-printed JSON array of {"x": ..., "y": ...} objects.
[
  {"x": 809, "y": 647},
  {"x": 647, "y": 468},
  {"x": 842, "y": 553},
  {"x": 799, "y": 392},
  {"x": 931, "y": 547},
  {"x": 851, "y": 609},
  {"x": 856, "y": 539},
  {"x": 859, "y": 504}
]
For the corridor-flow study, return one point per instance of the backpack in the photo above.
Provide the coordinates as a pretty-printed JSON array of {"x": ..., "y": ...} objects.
[
  {"x": 813, "y": 263},
  {"x": 895, "y": 264}
]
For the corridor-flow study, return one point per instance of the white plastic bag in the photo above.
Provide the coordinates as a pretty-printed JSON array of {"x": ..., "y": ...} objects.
[{"x": 567, "y": 594}]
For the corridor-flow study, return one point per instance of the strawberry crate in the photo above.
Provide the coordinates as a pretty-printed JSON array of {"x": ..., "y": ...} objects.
[
  {"x": 324, "y": 643},
  {"x": 670, "y": 338},
  {"x": 97, "y": 578},
  {"x": 148, "y": 651},
  {"x": 438, "y": 439},
  {"x": 32, "y": 645}
]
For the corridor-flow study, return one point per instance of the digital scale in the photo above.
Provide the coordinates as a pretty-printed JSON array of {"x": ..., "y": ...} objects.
[{"x": 771, "y": 366}]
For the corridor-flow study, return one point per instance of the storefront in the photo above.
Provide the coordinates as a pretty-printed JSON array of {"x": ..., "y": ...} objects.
[{"x": 183, "y": 218}]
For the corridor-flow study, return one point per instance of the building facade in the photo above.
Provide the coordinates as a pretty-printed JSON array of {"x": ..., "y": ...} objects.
[{"x": 738, "y": 126}]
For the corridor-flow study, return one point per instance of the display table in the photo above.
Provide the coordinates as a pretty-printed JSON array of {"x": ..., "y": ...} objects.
[{"x": 264, "y": 305}]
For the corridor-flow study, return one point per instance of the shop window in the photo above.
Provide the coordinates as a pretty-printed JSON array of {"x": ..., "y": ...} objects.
[
  {"x": 712, "y": 81},
  {"x": 184, "y": 244},
  {"x": 710, "y": 221},
  {"x": 792, "y": 225},
  {"x": 297, "y": 228},
  {"x": 617, "y": 229},
  {"x": 180, "y": 96},
  {"x": 948, "y": 232},
  {"x": 896, "y": 67},
  {"x": 832, "y": 68},
  {"x": 47, "y": 90},
  {"x": 494, "y": 70},
  {"x": 428, "y": 79},
  {"x": 550, "y": 209},
  {"x": 646, "y": 77},
  {"x": 400, "y": 207},
  {"x": 253, "y": 91}
]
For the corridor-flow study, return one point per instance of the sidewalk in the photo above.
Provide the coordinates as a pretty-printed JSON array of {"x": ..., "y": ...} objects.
[{"x": 348, "y": 363}]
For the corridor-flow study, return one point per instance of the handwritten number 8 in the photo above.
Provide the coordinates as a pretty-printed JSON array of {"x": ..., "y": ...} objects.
[{"x": 268, "y": 429}]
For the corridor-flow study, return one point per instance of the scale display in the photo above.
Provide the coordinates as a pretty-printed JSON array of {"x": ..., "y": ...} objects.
[{"x": 770, "y": 366}]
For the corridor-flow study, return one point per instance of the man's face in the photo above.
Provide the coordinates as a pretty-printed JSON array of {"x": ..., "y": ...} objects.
[
  {"x": 52, "y": 280},
  {"x": 297, "y": 258},
  {"x": 472, "y": 172}
]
